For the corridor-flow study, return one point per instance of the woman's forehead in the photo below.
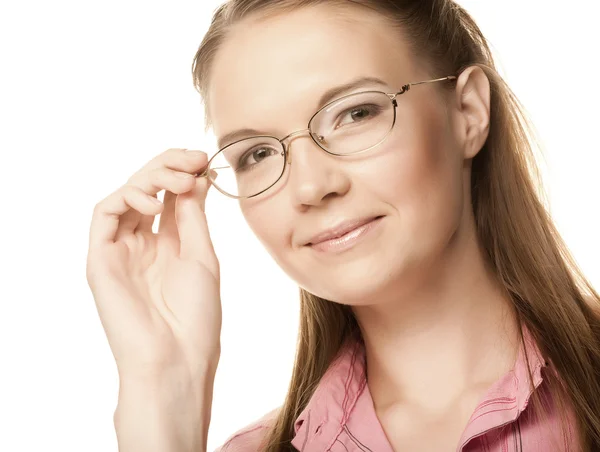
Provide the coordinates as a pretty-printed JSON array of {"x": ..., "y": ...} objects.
[{"x": 288, "y": 61}]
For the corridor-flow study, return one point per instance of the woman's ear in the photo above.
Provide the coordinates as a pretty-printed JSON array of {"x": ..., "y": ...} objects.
[{"x": 472, "y": 110}]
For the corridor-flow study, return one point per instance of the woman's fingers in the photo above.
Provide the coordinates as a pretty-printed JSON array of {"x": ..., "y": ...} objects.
[
  {"x": 134, "y": 206},
  {"x": 185, "y": 160},
  {"x": 194, "y": 237},
  {"x": 178, "y": 160},
  {"x": 153, "y": 179},
  {"x": 146, "y": 221},
  {"x": 108, "y": 212},
  {"x": 168, "y": 225},
  {"x": 151, "y": 182}
]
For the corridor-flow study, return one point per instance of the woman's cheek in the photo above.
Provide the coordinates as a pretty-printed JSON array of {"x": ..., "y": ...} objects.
[{"x": 270, "y": 227}]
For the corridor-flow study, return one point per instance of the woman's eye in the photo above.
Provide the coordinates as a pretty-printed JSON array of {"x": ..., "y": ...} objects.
[
  {"x": 358, "y": 114},
  {"x": 255, "y": 156}
]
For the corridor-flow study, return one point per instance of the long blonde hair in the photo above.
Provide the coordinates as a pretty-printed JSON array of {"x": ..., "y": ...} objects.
[{"x": 550, "y": 294}]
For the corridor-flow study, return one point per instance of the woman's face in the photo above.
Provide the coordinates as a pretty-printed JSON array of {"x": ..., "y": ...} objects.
[{"x": 269, "y": 76}]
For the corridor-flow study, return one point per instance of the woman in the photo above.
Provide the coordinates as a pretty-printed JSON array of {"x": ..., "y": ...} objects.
[{"x": 386, "y": 167}]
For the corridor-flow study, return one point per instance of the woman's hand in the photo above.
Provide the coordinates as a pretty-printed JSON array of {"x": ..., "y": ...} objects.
[{"x": 158, "y": 295}]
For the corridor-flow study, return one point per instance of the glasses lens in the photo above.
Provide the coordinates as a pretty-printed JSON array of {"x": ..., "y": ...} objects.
[
  {"x": 248, "y": 167},
  {"x": 354, "y": 123}
]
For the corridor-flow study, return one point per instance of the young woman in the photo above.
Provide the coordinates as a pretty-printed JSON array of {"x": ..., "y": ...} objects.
[{"x": 387, "y": 168}]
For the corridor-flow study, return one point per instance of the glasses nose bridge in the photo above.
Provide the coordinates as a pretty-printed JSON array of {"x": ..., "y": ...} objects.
[
  {"x": 295, "y": 134},
  {"x": 290, "y": 137}
]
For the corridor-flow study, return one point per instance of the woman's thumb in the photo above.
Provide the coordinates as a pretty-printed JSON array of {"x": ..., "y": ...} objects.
[{"x": 192, "y": 227}]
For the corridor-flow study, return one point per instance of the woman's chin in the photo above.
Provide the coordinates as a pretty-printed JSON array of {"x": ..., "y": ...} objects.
[{"x": 355, "y": 291}]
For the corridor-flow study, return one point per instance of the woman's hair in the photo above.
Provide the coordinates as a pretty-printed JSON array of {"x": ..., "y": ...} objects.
[{"x": 549, "y": 293}]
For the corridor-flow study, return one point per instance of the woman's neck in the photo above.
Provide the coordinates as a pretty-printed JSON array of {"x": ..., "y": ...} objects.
[{"x": 429, "y": 347}]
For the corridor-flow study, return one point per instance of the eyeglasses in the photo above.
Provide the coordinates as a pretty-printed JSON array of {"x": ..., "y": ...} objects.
[{"x": 349, "y": 125}]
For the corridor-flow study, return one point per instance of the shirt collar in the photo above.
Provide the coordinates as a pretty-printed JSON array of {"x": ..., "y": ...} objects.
[
  {"x": 338, "y": 391},
  {"x": 331, "y": 403}
]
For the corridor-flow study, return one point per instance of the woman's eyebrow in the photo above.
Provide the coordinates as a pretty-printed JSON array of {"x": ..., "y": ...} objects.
[
  {"x": 327, "y": 96},
  {"x": 231, "y": 137},
  {"x": 337, "y": 91}
]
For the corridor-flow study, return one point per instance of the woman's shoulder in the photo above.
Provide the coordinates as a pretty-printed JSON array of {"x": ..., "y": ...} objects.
[{"x": 249, "y": 438}]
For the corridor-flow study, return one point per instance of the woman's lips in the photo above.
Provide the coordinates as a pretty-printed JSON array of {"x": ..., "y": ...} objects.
[
  {"x": 341, "y": 229},
  {"x": 349, "y": 239}
]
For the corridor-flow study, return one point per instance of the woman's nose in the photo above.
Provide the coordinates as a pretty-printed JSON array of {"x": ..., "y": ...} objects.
[{"x": 313, "y": 173}]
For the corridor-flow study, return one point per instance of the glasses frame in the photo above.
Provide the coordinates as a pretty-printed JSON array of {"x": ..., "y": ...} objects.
[{"x": 314, "y": 137}]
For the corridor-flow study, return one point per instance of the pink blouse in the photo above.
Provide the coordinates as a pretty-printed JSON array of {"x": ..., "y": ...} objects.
[{"x": 340, "y": 416}]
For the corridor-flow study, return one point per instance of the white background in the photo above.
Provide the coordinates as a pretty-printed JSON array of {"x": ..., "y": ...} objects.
[{"x": 89, "y": 91}]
